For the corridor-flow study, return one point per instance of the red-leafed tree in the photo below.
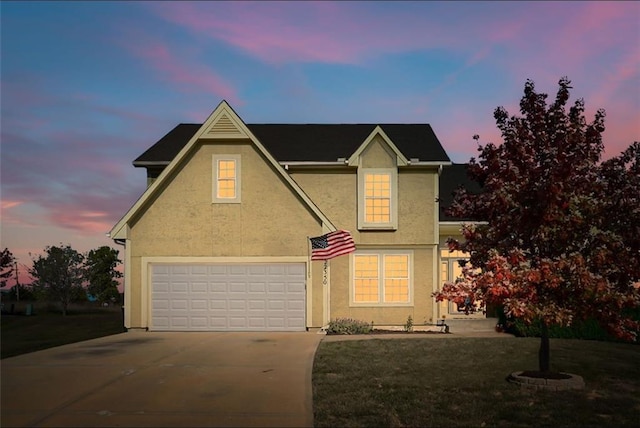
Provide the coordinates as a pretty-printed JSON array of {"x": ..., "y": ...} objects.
[{"x": 562, "y": 235}]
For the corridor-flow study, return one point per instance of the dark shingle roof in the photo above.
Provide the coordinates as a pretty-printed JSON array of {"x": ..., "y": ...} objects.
[
  {"x": 311, "y": 142},
  {"x": 168, "y": 146},
  {"x": 452, "y": 177}
]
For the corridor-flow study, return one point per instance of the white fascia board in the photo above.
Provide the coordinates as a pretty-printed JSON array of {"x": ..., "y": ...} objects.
[
  {"x": 430, "y": 163},
  {"x": 311, "y": 163}
]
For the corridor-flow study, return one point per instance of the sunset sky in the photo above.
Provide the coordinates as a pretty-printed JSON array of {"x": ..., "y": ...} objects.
[{"x": 87, "y": 87}]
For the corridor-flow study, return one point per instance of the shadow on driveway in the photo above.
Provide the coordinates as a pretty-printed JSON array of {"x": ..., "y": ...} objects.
[{"x": 158, "y": 379}]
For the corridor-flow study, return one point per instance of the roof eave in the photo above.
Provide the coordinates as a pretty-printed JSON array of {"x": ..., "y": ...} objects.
[
  {"x": 429, "y": 163},
  {"x": 145, "y": 164}
]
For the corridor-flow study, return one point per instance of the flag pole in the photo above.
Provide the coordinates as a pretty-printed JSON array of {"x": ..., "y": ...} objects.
[{"x": 308, "y": 257}]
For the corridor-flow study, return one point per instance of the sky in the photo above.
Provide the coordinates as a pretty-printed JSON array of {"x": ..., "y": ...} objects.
[{"x": 86, "y": 87}]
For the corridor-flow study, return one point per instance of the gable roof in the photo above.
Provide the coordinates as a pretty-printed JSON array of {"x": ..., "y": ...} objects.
[
  {"x": 451, "y": 178},
  {"x": 378, "y": 132},
  {"x": 222, "y": 123},
  {"x": 311, "y": 142}
]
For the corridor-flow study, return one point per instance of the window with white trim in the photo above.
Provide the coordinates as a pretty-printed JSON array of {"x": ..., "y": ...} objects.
[
  {"x": 377, "y": 198},
  {"x": 381, "y": 278},
  {"x": 226, "y": 179}
]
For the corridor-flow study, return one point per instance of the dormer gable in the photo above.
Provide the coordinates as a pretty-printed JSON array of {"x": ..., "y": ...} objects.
[{"x": 376, "y": 151}]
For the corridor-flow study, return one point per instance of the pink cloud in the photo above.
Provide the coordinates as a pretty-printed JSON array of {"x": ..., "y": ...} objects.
[
  {"x": 329, "y": 32},
  {"x": 264, "y": 30},
  {"x": 627, "y": 69},
  {"x": 6, "y": 204},
  {"x": 86, "y": 222},
  {"x": 190, "y": 74}
]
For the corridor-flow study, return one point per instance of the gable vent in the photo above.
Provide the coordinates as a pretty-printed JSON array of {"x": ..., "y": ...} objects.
[{"x": 224, "y": 126}]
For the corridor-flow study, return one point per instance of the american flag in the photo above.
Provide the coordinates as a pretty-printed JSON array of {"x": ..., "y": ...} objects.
[{"x": 332, "y": 245}]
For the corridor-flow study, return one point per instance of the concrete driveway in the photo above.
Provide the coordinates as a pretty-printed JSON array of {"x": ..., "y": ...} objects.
[{"x": 152, "y": 379}]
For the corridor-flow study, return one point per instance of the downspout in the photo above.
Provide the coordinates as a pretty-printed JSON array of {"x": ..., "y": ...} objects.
[{"x": 124, "y": 282}]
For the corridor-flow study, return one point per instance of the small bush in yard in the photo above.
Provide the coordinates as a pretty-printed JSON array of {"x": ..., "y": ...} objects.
[
  {"x": 348, "y": 326},
  {"x": 408, "y": 326}
]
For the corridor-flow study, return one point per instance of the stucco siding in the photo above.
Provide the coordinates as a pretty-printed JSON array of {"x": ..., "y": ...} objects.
[
  {"x": 378, "y": 155},
  {"x": 335, "y": 193},
  {"x": 182, "y": 221},
  {"x": 423, "y": 280}
]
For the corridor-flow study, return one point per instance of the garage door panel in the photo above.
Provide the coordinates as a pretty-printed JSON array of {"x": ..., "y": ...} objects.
[
  {"x": 257, "y": 323},
  {"x": 217, "y": 304},
  {"x": 296, "y": 269},
  {"x": 237, "y": 305},
  {"x": 219, "y": 323},
  {"x": 276, "y": 305},
  {"x": 217, "y": 287},
  {"x": 257, "y": 270},
  {"x": 217, "y": 270},
  {"x": 180, "y": 270},
  {"x": 198, "y": 287},
  {"x": 160, "y": 304},
  {"x": 159, "y": 270},
  {"x": 276, "y": 287},
  {"x": 199, "y": 305},
  {"x": 179, "y": 304},
  {"x": 161, "y": 323},
  {"x": 239, "y": 270},
  {"x": 228, "y": 297},
  {"x": 178, "y": 321},
  {"x": 295, "y": 305},
  {"x": 257, "y": 287},
  {"x": 238, "y": 287},
  {"x": 256, "y": 305},
  {"x": 238, "y": 321},
  {"x": 276, "y": 323},
  {"x": 277, "y": 270},
  {"x": 199, "y": 322},
  {"x": 178, "y": 287},
  {"x": 199, "y": 270}
]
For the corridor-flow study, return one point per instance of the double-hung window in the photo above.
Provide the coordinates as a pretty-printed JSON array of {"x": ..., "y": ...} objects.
[
  {"x": 377, "y": 204},
  {"x": 226, "y": 178},
  {"x": 381, "y": 278}
]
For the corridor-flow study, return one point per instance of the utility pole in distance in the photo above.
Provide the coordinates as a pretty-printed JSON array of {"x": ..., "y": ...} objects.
[{"x": 17, "y": 284}]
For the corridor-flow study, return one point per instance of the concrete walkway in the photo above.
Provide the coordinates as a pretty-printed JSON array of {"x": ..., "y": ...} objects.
[
  {"x": 417, "y": 335},
  {"x": 144, "y": 379}
]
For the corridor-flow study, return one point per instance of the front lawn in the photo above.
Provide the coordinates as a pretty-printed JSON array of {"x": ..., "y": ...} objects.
[
  {"x": 45, "y": 328},
  {"x": 445, "y": 382}
]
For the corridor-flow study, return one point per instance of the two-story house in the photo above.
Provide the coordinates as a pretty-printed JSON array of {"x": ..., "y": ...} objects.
[{"x": 220, "y": 238}]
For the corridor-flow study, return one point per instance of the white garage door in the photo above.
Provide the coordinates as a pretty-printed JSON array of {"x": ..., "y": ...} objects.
[{"x": 251, "y": 297}]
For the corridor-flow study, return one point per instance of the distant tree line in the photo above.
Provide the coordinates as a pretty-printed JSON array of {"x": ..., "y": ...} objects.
[{"x": 65, "y": 275}]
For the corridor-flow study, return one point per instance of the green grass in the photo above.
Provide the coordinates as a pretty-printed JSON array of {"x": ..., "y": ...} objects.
[
  {"x": 449, "y": 382},
  {"x": 44, "y": 329}
]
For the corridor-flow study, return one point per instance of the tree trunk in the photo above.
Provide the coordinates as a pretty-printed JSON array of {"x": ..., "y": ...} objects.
[{"x": 543, "y": 353}]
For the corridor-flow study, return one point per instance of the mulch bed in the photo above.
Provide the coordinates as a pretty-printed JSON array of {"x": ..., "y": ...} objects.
[
  {"x": 380, "y": 331},
  {"x": 544, "y": 375}
]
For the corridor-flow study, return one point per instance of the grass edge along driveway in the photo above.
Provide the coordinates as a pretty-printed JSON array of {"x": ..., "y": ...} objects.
[{"x": 461, "y": 382}]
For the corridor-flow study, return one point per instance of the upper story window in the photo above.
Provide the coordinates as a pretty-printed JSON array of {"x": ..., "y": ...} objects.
[
  {"x": 226, "y": 178},
  {"x": 377, "y": 198}
]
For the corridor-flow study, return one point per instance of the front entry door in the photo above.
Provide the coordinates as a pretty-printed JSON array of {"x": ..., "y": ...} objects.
[{"x": 450, "y": 271}]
